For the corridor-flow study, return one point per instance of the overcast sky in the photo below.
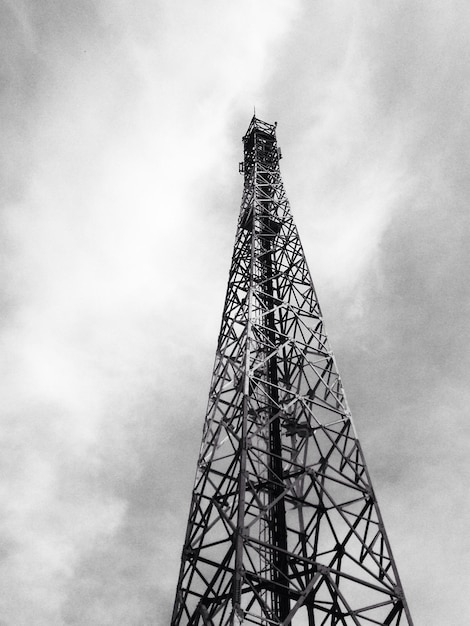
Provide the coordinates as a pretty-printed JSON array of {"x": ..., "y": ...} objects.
[{"x": 122, "y": 125}]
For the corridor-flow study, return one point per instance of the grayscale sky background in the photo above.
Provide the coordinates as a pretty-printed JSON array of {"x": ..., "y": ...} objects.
[{"x": 121, "y": 137}]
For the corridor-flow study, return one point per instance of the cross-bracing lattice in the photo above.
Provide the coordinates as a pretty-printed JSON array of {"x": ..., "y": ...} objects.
[{"x": 284, "y": 527}]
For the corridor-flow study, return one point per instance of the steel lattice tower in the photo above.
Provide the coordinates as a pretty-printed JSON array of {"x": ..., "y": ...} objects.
[{"x": 284, "y": 526}]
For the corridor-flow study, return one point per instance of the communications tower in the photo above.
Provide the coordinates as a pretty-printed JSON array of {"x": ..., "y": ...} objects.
[{"x": 284, "y": 527}]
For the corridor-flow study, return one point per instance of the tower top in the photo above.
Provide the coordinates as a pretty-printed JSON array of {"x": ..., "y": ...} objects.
[{"x": 257, "y": 125}]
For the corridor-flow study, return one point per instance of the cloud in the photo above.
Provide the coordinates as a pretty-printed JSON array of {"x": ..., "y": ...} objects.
[
  {"x": 380, "y": 200},
  {"x": 354, "y": 158},
  {"x": 121, "y": 197},
  {"x": 128, "y": 110}
]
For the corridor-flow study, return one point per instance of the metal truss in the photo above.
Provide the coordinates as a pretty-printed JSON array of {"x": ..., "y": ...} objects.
[{"x": 284, "y": 526}]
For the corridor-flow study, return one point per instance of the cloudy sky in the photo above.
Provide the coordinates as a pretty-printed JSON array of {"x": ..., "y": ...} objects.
[{"x": 122, "y": 125}]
